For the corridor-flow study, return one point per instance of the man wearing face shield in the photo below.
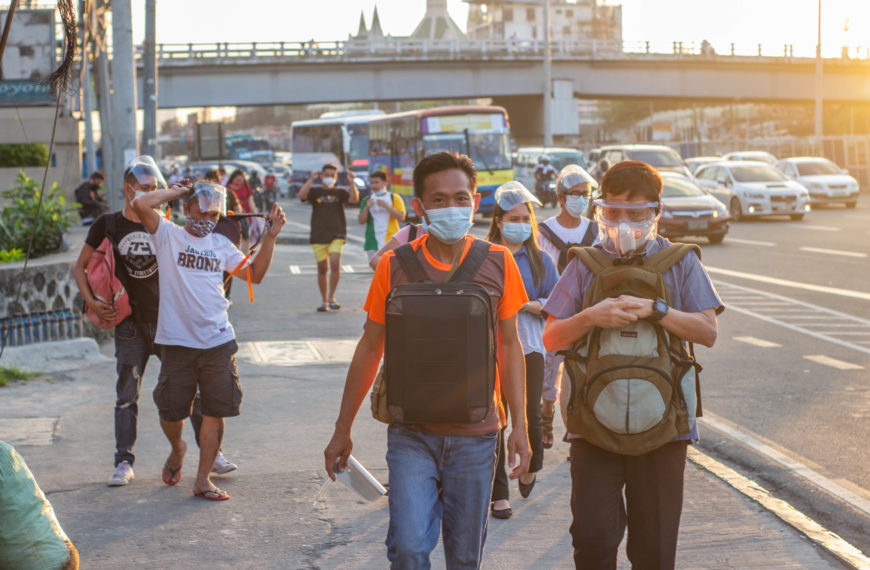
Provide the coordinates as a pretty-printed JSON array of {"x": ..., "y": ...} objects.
[
  {"x": 193, "y": 328},
  {"x": 136, "y": 265},
  {"x": 627, "y": 216},
  {"x": 558, "y": 234}
]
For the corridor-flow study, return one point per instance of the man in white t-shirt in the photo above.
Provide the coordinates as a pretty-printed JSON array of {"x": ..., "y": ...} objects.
[
  {"x": 381, "y": 211},
  {"x": 192, "y": 323},
  {"x": 558, "y": 234}
]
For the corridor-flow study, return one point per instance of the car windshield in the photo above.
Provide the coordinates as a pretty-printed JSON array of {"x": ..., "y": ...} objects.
[
  {"x": 756, "y": 174},
  {"x": 657, "y": 157},
  {"x": 816, "y": 168},
  {"x": 679, "y": 188},
  {"x": 488, "y": 151},
  {"x": 560, "y": 160}
]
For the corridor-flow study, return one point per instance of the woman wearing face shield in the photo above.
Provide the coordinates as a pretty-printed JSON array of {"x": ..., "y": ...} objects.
[{"x": 513, "y": 226}]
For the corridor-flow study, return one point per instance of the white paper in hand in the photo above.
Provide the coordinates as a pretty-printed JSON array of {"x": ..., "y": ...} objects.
[{"x": 360, "y": 480}]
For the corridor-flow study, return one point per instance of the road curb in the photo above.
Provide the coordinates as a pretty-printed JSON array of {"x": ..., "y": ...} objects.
[
  {"x": 54, "y": 356},
  {"x": 292, "y": 240}
]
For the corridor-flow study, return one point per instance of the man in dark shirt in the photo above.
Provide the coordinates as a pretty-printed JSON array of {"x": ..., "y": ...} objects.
[
  {"x": 88, "y": 195},
  {"x": 328, "y": 227}
]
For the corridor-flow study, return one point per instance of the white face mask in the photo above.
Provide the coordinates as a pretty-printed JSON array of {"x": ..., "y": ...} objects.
[
  {"x": 576, "y": 205},
  {"x": 450, "y": 225},
  {"x": 139, "y": 194},
  {"x": 328, "y": 181}
]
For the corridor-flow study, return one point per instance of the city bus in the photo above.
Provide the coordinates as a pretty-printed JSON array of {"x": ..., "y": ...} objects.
[
  {"x": 336, "y": 137},
  {"x": 398, "y": 141}
]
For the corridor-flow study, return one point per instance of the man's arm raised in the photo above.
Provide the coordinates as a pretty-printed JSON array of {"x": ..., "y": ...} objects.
[{"x": 145, "y": 205}]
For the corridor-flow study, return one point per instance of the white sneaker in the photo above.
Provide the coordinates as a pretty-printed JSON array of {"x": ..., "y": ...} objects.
[
  {"x": 221, "y": 465},
  {"x": 122, "y": 475}
]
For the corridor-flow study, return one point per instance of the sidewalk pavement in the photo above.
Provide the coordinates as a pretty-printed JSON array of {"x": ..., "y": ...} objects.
[{"x": 62, "y": 426}]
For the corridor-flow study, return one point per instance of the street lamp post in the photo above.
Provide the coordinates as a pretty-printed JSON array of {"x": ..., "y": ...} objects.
[
  {"x": 548, "y": 78},
  {"x": 818, "y": 113}
]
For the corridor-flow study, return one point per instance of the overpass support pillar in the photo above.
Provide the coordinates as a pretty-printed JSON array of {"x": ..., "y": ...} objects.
[{"x": 526, "y": 114}]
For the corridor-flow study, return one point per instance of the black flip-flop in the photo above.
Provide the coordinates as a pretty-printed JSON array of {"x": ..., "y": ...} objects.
[
  {"x": 333, "y": 306},
  {"x": 322, "y": 308}
]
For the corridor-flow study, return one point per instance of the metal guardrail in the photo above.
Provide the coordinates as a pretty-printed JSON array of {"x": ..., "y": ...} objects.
[{"x": 406, "y": 48}]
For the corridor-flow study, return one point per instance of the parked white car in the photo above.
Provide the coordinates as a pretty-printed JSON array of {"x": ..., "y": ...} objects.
[
  {"x": 696, "y": 162},
  {"x": 751, "y": 188},
  {"x": 826, "y": 182}
]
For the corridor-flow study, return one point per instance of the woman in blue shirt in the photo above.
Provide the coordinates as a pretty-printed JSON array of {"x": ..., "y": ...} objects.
[{"x": 513, "y": 226}]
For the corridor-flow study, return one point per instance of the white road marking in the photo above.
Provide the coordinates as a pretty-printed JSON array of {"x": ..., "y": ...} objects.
[
  {"x": 734, "y": 305},
  {"x": 833, "y": 362},
  {"x": 295, "y": 269},
  {"x": 794, "y": 284},
  {"x": 828, "y": 540},
  {"x": 751, "y": 242},
  {"x": 819, "y": 228},
  {"x": 797, "y": 467},
  {"x": 834, "y": 252},
  {"x": 347, "y": 268},
  {"x": 757, "y": 341}
]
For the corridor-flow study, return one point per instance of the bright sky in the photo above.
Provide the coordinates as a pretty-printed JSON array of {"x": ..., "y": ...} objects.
[{"x": 773, "y": 23}]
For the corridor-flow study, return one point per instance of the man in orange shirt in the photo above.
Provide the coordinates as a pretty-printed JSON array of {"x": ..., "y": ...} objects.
[{"x": 441, "y": 474}]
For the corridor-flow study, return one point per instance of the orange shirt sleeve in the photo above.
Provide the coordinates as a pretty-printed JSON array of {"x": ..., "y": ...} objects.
[
  {"x": 514, "y": 295},
  {"x": 376, "y": 302}
]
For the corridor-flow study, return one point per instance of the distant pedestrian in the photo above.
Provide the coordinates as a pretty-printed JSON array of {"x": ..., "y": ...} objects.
[
  {"x": 328, "y": 228},
  {"x": 91, "y": 202},
  {"x": 615, "y": 483},
  {"x": 381, "y": 211}
]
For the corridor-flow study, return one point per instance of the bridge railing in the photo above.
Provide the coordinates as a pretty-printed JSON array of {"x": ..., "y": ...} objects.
[{"x": 408, "y": 48}]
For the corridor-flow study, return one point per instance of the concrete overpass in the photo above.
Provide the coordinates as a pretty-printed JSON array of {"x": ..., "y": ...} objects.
[{"x": 509, "y": 72}]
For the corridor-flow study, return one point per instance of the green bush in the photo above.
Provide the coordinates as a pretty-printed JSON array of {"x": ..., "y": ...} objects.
[
  {"x": 10, "y": 255},
  {"x": 18, "y": 217},
  {"x": 21, "y": 155}
]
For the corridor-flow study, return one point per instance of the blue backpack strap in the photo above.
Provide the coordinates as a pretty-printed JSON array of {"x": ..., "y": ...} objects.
[{"x": 410, "y": 265}]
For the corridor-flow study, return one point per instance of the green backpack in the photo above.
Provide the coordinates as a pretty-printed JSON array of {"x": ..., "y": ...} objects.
[{"x": 628, "y": 384}]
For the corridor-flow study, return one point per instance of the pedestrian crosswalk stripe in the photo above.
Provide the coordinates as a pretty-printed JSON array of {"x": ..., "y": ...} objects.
[
  {"x": 833, "y": 362},
  {"x": 757, "y": 341},
  {"x": 295, "y": 269},
  {"x": 347, "y": 268}
]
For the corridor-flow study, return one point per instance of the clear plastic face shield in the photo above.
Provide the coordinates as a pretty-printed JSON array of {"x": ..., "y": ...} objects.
[
  {"x": 147, "y": 174},
  {"x": 511, "y": 194},
  {"x": 625, "y": 228},
  {"x": 210, "y": 197},
  {"x": 571, "y": 176}
]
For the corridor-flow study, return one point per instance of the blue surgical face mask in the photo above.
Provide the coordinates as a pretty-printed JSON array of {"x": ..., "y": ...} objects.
[
  {"x": 450, "y": 224},
  {"x": 516, "y": 232},
  {"x": 576, "y": 205},
  {"x": 381, "y": 193}
]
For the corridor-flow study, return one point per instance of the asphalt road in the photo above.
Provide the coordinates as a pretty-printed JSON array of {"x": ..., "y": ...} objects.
[{"x": 758, "y": 383}]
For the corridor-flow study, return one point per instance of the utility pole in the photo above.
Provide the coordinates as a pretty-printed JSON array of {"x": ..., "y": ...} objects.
[
  {"x": 548, "y": 79},
  {"x": 149, "y": 81},
  {"x": 818, "y": 129},
  {"x": 124, "y": 97},
  {"x": 87, "y": 115},
  {"x": 104, "y": 97}
]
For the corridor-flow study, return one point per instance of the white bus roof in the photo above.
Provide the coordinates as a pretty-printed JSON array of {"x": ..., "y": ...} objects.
[{"x": 352, "y": 120}]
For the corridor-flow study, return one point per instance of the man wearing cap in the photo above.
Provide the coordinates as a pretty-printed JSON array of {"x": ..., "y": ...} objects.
[
  {"x": 136, "y": 266},
  {"x": 192, "y": 326},
  {"x": 558, "y": 234}
]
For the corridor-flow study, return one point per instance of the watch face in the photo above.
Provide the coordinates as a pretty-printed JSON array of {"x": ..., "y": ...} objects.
[{"x": 660, "y": 306}]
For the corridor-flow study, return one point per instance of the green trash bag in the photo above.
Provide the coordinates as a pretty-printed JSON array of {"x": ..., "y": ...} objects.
[{"x": 30, "y": 536}]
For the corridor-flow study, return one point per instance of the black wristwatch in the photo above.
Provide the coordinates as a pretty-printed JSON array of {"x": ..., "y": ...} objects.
[{"x": 660, "y": 309}]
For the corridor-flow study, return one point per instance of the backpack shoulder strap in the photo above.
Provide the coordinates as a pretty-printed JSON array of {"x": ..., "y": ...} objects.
[
  {"x": 410, "y": 264},
  {"x": 663, "y": 259},
  {"x": 589, "y": 236},
  {"x": 473, "y": 260},
  {"x": 592, "y": 257},
  {"x": 552, "y": 237}
]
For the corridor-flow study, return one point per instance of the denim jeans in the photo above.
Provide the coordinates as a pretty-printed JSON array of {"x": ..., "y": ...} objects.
[
  {"x": 438, "y": 480},
  {"x": 134, "y": 343}
]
